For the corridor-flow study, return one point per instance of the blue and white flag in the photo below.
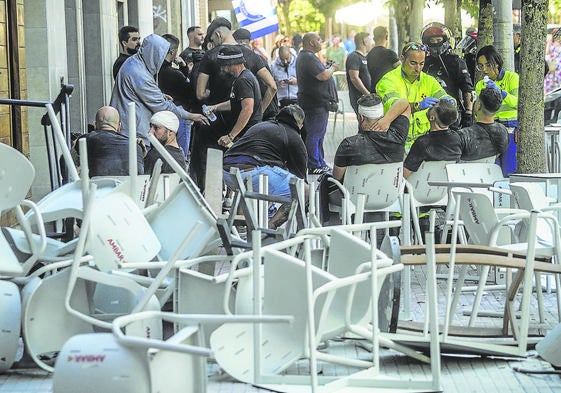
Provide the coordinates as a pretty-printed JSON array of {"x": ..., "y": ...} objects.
[{"x": 257, "y": 16}]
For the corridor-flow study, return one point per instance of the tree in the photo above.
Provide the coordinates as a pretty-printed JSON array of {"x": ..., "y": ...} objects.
[
  {"x": 452, "y": 17},
  {"x": 502, "y": 30},
  {"x": 299, "y": 16},
  {"x": 531, "y": 152},
  {"x": 416, "y": 19}
]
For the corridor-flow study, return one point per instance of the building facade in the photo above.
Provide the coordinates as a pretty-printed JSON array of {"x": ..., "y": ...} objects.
[{"x": 44, "y": 43}]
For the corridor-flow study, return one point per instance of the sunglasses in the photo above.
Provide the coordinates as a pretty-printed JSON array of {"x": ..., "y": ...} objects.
[
  {"x": 413, "y": 46},
  {"x": 155, "y": 127}
]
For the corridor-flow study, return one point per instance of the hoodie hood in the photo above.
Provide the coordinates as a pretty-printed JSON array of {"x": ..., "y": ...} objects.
[{"x": 153, "y": 52}]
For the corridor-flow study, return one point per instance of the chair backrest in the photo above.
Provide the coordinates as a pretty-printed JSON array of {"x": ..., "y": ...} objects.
[
  {"x": 343, "y": 264},
  {"x": 474, "y": 172},
  {"x": 488, "y": 174},
  {"x": 16, "y": 176},
  {"x": 380, "y": 183},
  {"x": 479, "y": 217},
  {"x": 530, "y": 195},
  {"x": 423, "y": 193},
  {"x": 119, "y": 233},
  {"x": 177, "y": 216},
  {"x": 142, "y": 186}
]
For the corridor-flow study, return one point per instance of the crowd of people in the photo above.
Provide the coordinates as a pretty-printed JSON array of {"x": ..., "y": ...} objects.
[{"x": 269, "y": 112}]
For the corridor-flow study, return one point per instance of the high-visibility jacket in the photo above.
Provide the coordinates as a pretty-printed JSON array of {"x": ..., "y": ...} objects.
[
  {"x": 508, "y": 112},
  {"x": 394, "y": 85}
]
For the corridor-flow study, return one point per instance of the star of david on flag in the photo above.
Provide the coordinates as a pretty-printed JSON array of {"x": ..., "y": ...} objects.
[{"x": 257, "y": 16}]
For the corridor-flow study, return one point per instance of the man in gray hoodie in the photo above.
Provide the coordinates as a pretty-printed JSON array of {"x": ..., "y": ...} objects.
[{"x": 137, "y": 82}]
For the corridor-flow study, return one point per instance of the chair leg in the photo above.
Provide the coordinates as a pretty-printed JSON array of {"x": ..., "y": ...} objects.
[
  {"x": 539, "y": 295},
  {"x": 478, "y": 295}
]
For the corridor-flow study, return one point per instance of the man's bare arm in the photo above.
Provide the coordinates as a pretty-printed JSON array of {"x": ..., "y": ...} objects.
[
  {"x": 202, "y": 82},
  {"x": 265, "y": 75}
]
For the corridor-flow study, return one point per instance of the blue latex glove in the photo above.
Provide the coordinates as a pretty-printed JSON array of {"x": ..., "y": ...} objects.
[
  {"x": 427, "y": 103},
  {"x": 491, "y": 83}
]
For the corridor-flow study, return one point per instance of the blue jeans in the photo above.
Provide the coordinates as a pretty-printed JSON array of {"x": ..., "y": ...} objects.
[
  {"x": 278, "y": 179},
  {"x": 184, "y": 135},
  {"x": 316, "y": 126}
]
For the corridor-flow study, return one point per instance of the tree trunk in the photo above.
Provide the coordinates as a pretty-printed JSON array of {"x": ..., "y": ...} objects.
[
  {"x": 416, "y": 19},
  {"x": 531, "y": 145},
  {"x": 502, "y": 28},
  {"x": 484, "y": 29},
  {"x": 401, "y": 12},
  {"x": 451, "y": 17}
]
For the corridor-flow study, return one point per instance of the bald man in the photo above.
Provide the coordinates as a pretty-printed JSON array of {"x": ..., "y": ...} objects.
[{"x": 108, "y": 149}]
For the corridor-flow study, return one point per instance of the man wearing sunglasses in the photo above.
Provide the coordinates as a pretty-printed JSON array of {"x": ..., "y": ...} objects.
[{"x": 409, "y": 81}]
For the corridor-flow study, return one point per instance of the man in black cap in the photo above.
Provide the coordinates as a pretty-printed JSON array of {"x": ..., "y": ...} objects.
[
  {"x": 245, "y": 97},
  {"x": 242, "y": 36}
]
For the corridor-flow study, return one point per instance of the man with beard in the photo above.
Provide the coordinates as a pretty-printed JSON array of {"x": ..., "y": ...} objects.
[
  {"x": 440, "y": 143},
  {"x": 164, "y": 125},
  {"x": 129, "y": 38},
  {"x": 245, "y": 97}
]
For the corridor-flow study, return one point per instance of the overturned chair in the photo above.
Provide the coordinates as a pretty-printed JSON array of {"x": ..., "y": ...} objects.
[{"x": 325, "y": 305}]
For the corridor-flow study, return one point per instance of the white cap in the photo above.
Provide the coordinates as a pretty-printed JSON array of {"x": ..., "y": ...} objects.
[{"x": 165, "y": 119}]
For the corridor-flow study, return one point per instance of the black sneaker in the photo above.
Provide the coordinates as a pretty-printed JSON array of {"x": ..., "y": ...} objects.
[{"x": 320, "y": 170}]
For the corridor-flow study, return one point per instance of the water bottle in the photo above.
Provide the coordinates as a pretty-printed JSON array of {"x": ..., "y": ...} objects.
[{"x": 208, "y": 113}]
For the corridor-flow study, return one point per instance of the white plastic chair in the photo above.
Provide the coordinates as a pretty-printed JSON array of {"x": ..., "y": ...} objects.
[
  {"x": 10, "y": 323},
  {"x": 381, "y": 186},
  {"x": 21, "y": 248},
  {"x": 324, "y": 314},
  {"x": 114, "y": 230},
  {"x": 484, "y": 227},
  {"x": 124, "y": 363},
  {"x": 420, "y": 193}
]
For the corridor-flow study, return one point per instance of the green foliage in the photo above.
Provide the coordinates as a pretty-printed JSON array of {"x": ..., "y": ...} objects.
[
  {"x": 471, "y": 7},
  {"x": 555, "y": 11},
  {"x": 302, "y": 16},
  {"x": 328, "y": 7}
]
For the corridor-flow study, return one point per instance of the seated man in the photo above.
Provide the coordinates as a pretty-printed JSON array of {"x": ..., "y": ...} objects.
[
  {"x": 164, "y": 126},
  {"x": 273, "y": 148},
  {"x": 380, "y": 139},
  {"x": 486, "y": 137},
  {"x": 440, "y": 143},
  {"x": 108, "y": 149}
]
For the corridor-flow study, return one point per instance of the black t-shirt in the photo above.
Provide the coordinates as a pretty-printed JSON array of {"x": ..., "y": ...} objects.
[
  {"x": 483, "y": 140},
  {"x": 220, "y": 83},
  {"x": 380, "y": 60},
  {"x": 269, "y": 143},
  {"x": 312, "y": 93},
  {"x": 357, "y": 61},
  {"x": 173, "y": 82},
  {"x": 444, "y": 145},
  {"x": 153, "y": 155},
  {"x": 108, "y": 154},
  {"x": 118, "y": 63},
  {"x": 246, "y": 86},
  {"x": 370, "y": 147},
  {"x": 453, "y": 71},
  {"x": 255, "y": 63}
]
